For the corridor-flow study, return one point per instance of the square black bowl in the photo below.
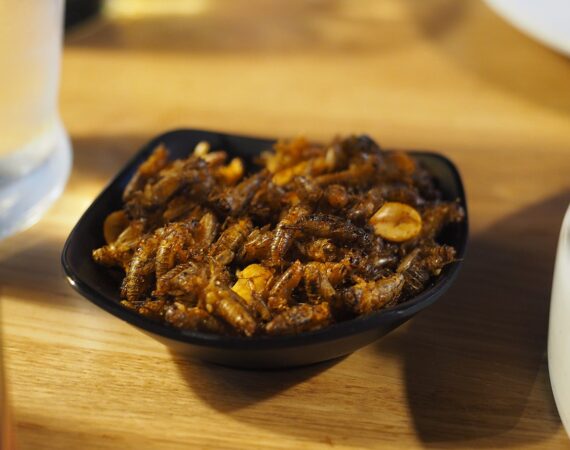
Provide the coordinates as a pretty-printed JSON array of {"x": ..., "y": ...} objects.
[{"x": 101, "y": 285}]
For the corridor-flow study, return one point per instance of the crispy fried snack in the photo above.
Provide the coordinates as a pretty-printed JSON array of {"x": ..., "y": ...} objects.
[{"x": 320, "y": 234}]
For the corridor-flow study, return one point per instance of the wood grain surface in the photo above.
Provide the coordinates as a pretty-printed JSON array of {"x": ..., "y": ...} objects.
[{"x": 445, "y": 75}]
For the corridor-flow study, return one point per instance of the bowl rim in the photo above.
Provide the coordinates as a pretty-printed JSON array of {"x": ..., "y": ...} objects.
[{"x": 332, "y": 332}]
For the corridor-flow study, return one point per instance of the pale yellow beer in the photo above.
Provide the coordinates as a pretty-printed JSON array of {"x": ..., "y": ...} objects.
[
  {"x": 30, "y": 41},
  {"x": 34, "y": 148}
]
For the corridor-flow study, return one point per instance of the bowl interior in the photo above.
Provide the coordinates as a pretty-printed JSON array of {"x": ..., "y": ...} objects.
[{"x": 101, "y": 285}]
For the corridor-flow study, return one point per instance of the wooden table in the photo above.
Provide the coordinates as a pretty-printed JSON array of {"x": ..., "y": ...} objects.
[{"x": 448, "y": 75}]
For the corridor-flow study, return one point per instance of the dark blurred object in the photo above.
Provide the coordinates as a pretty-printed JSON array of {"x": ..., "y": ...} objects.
[{"x": 78, "y": 11}]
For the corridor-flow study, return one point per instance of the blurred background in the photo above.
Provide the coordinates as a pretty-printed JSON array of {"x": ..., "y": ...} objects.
[
  {"x": 422, "y": 73},
  {"x": 449, "y": 75}
]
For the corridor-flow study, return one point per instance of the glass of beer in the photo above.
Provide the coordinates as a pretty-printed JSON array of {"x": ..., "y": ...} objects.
[{"x": 35, "y": 153}]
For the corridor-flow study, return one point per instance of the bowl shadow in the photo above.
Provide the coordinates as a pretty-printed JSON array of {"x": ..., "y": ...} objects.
[
  {"x": 475, "y": 363},
  {"x": 230, "y": 390},
  {"x": 326, "y": 403}
]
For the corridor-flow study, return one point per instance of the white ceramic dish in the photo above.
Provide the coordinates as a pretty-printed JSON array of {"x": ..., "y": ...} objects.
[
  {"x": 559, "y": 329},
  {"x": 546, "y": 20}
]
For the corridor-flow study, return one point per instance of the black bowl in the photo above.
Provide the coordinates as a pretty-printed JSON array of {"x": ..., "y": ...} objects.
[{"x": 101, "y": 285}]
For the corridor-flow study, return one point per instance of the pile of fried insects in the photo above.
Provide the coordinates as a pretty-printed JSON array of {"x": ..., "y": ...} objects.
[{"x": 316, "y": 235}]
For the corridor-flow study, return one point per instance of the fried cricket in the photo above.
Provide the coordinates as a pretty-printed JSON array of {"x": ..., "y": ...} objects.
[{"x": 317, "y": 235}]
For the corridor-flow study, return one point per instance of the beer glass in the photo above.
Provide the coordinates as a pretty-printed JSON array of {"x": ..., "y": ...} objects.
[{"x": 35, "y": 153}]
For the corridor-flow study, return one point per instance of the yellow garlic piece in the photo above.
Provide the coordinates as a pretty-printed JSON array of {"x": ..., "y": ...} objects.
[
  {"x": 202, "y": 148},
  {"x": 251, "y": 281},
  {"x": 396, "y": 222},
  {"x": 233, "y": 172}
]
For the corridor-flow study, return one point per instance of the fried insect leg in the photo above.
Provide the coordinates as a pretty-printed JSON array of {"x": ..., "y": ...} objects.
[
  {"x": 193, "y": 318},
  {"x": 257, "y": 246},
  {"x": 148, "y": 169},
  {"x": 174, "y": 247},
  {"x": 333, "y": 227},
  {"x": 224, "y": 303},
  {"x": 283, "y": 237},
  {"x": 280, "y": 293},
  {"x": 300, "y": 318},
  {"x": 229, "y": 242},
  {"x": 140, "y": 273},
  {"x": 367, "y": 296}
]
